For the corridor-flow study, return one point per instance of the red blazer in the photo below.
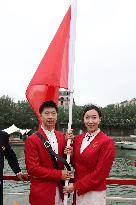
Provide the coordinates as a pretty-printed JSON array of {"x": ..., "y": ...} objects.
[
  {"x": 93, "y": 165},
  {"x": 43, "y": 177}
]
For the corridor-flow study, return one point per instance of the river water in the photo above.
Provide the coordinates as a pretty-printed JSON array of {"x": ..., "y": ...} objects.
[{"x": 123, "y": 167}]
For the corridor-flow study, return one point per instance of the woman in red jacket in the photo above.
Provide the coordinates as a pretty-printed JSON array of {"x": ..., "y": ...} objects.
[{"x": 93, "y": 158}]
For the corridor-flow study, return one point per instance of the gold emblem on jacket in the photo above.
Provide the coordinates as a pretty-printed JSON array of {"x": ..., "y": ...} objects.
[{"x": 95, "y": 144}]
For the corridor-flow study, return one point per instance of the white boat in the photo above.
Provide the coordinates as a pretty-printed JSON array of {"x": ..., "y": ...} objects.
[
  {"x": 133, "y": 136},
  {"x": 126, "y": 145}
]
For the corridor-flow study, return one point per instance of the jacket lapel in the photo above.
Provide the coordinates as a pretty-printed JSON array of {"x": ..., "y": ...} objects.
[
  {"x": 60, "y": 145},
  {"x": 80, "y": 141},
  {"x": 42, "y": 133},
  {"x": 92, "y": 144}
]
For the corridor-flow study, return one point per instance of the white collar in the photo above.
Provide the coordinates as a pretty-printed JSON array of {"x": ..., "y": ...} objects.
[
  {"x": 47, "y": 131},
  {"x": 93, "y": 134}
]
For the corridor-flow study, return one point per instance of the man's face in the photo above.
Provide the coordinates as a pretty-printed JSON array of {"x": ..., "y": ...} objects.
[{"x": 49, "y": 117}]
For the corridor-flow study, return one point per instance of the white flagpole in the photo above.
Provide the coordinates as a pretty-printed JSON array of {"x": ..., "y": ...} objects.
[{"x": 71, "y": 73}]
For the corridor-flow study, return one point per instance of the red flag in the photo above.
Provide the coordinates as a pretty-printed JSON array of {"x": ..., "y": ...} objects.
[{"x": 52, "y": 73}]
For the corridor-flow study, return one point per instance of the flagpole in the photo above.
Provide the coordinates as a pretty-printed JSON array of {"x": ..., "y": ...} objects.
[{"x": 71, "y": 73}]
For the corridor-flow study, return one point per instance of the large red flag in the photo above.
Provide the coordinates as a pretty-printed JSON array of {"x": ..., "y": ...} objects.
[{"x": 52, "y": 73}]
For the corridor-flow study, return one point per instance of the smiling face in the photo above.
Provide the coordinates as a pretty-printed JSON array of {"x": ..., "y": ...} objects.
[
  {"x": 49, "y": 118},
  {"x": 91, "y": 120}
]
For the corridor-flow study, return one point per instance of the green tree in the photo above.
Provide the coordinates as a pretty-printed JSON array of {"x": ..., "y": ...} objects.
[
  {"x": 7, "y": 112},
  {"x": 25, "y": 116}
]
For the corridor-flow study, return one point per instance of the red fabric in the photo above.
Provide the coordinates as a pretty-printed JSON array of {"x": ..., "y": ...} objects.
[
  {"x": 52, "y": 72},
  {"x": 93, "y": 165},
  {"x": 43, "y": 177}
]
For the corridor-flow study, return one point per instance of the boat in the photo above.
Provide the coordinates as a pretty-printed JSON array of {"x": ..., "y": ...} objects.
[
  {"x": 133, "y": 136},
  {"x": 126, "y": 145}
]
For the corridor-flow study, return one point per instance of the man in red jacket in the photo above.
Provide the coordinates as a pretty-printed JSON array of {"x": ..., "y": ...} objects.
[{"x": 44, "y": 178}]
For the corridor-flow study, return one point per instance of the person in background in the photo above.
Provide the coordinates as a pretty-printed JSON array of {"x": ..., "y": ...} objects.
[
  {"x": 93, "y": 155},
  {"x": 7, "y": 152},
  {"x": 44, "y": 178}
]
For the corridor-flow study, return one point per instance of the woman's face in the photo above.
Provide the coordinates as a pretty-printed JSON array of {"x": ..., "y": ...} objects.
[{"x": 91, "y": 120}]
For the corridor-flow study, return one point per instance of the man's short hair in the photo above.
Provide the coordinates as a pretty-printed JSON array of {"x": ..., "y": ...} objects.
[{"x": 49, "y": 103}]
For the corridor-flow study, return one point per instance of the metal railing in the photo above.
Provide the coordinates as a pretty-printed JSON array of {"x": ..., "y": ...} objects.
[{"x": 113, "y": 181}]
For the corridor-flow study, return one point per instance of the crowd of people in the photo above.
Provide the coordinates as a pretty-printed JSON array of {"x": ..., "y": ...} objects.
[{"x": 92, "y": 154}]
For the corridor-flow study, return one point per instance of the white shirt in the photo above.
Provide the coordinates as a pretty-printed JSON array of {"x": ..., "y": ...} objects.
[
  {"x": 54, "y": 144},
  {"x": 86, "y": 141},
  {"x": 52, "y": 139}
]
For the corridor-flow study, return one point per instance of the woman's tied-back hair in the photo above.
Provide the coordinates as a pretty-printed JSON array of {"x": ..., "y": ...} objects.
[
  {"x": 92, "y": 107},
  {"x": 50, "y": 104}
]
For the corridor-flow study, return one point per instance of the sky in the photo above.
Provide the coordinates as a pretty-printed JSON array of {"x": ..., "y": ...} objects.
[{"x": 105, "y": 47}]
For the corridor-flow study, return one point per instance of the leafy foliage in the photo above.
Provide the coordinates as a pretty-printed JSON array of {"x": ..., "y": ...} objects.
[
  {"x": 119, "y": 116},
  {"x": 21, "y": 114}
]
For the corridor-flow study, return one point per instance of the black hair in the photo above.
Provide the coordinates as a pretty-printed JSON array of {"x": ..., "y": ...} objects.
[
  {"x": 49, "y": 103},
  {"x": 92, "y": 107}
]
